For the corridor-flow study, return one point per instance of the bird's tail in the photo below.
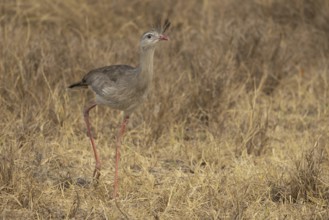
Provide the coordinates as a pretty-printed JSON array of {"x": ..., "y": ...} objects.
[{"x": 78, "y": 84}]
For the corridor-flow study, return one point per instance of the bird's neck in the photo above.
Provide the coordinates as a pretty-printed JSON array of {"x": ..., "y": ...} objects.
[{"x": 146, "y": 63}]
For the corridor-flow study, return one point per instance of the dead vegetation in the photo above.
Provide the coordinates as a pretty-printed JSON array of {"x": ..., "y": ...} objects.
[{"x": 236, "y": 126}]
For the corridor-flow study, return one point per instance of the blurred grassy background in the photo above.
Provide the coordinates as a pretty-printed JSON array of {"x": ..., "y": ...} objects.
[{"x": 236, "y": 125}]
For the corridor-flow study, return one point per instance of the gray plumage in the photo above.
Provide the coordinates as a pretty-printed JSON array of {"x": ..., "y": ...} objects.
[
  {"x": 115, "y": 86},
  {"x": 124, "y": 87}
]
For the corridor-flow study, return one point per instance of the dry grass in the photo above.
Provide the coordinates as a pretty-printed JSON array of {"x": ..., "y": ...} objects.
[{"x": 236, "y": 126}]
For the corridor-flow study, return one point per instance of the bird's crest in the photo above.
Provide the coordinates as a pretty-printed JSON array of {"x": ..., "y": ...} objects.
[
  {"x": 166, "y": 25},
  {"x": 162, "y": 29}
]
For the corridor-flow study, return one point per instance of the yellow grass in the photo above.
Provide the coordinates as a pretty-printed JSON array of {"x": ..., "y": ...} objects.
[{"x": 236, "y": 125}]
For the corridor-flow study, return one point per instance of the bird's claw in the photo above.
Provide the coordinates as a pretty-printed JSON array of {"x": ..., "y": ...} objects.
[{"x": 96, "y": 174}]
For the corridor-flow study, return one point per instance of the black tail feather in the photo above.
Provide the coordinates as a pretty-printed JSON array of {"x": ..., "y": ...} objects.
[{"x": 78, "y": 84}]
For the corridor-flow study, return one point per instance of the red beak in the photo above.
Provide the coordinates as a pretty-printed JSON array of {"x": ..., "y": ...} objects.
[{"x": 163, "y": 37}]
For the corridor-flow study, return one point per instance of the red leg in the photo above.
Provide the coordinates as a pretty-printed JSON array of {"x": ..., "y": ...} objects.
[
  {"x": 98, "y": 163},
  {"x": 117, "y": 155}
]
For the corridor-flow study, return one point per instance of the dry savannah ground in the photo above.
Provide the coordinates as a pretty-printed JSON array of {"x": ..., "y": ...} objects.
[{"x": 236, "y": 125}]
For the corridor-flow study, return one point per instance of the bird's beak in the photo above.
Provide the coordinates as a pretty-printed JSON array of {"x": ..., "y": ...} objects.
[{"x": 163, "y": 37}]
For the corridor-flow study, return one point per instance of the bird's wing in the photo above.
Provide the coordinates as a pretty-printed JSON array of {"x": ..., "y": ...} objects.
[{"x": 107, "y": 80}]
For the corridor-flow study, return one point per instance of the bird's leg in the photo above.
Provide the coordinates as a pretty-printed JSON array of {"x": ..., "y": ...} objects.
[
  {"x": 98, "y": 163},
  {"x": 117, "y": 155}
]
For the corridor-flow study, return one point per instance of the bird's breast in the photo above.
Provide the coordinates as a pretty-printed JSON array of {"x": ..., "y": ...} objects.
[{"x": 125, "y": 99}]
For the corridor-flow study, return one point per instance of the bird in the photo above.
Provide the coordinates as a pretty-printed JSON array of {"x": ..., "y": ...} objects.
[{"x": 121, "y": 87}]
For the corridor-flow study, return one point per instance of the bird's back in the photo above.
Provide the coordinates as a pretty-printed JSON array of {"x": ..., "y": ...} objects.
[
  {"x": 109, "y": 78},
  {"x": 117, "y": 86}
]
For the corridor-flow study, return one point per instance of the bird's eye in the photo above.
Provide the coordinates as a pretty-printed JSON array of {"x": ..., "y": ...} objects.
[{"x": 149, "y": 36}]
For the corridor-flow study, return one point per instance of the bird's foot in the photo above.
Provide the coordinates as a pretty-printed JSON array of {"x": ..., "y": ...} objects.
[{"x": 97, "y": 174}]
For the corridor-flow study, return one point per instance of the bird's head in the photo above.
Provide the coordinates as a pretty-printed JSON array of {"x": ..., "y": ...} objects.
[{"x": 151, "y": 38}]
